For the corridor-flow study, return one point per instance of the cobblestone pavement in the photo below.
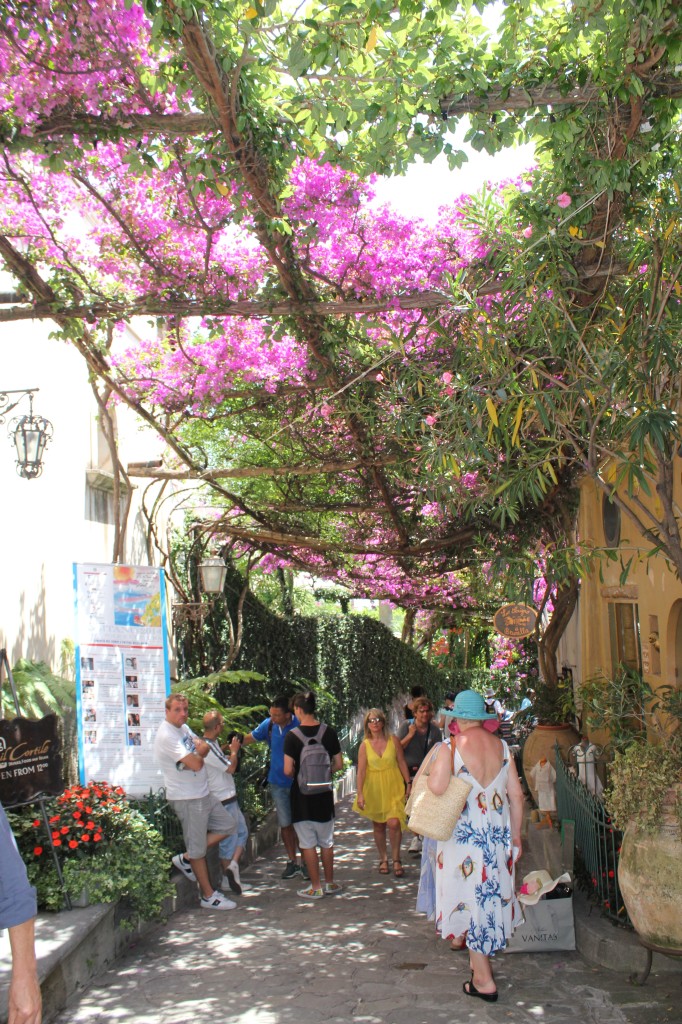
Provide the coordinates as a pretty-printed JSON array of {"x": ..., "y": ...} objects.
[{"x": 364, "y": 957}]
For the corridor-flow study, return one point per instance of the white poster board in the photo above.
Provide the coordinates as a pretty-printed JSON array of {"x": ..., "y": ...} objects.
[{"x": 122, "y": 673}]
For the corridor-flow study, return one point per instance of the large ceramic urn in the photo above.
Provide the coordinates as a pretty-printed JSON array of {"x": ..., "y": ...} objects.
[
  {"x": 650, "y": 878},
  {"x": 541, "y": 744}
]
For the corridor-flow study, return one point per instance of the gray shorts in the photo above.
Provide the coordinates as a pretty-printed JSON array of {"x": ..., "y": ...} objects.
[
  {"x": 198, "y": 817},
  {"x": 315, "y": 833}
]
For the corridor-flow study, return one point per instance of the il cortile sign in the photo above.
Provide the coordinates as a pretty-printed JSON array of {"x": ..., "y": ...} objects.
[
  {"x": 30, "y": 759},
  {"x": 515, "y": 620}
]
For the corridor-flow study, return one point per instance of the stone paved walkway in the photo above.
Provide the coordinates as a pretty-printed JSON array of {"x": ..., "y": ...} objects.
[{"x": 364, "y": 957}]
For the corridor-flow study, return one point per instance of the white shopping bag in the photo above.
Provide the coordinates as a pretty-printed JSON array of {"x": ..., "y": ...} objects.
[{"x": 548, "y": 926}]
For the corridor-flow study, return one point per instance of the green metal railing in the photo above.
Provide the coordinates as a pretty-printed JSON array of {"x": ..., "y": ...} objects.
[
  {"x": 597, "y": 841},
  {"x": 160, "y": 814}
]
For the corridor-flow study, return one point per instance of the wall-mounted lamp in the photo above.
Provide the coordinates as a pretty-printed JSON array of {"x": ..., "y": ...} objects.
[
  {"x": 29, "y": 434},
  {"x": 212, "y": 575},
  {"x": 212, "y": 572}
]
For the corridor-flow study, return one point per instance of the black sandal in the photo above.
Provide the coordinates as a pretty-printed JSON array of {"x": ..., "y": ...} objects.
[
  {"x": 471, "y": 990},
  {"x": 383, "y": 867},
  {"x": 399, "y": 871}
]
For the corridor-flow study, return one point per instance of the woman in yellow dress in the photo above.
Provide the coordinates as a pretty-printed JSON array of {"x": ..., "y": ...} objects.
[{"x": 383, "y": 777}]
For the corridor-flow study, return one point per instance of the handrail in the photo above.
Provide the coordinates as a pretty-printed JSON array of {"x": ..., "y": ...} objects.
[{"x": 597, "y": 840}]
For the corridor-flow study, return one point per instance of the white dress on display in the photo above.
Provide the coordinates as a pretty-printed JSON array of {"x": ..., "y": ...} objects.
[{"x": 543, "y": 777}]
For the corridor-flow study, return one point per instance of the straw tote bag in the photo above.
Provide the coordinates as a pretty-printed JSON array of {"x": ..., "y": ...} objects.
[{"x": 436, "y": 816}]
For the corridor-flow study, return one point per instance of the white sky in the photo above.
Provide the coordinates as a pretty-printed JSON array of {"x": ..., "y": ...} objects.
[{"x": 426, "y": 187}]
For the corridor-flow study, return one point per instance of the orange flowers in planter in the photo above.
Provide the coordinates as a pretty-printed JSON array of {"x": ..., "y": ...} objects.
[{"x": 86, "y": 814}]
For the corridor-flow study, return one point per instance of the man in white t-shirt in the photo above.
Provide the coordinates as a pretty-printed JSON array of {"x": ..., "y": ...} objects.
[
  {"x": 180, "y": 755},
  {"x": 221, "y": 766}
]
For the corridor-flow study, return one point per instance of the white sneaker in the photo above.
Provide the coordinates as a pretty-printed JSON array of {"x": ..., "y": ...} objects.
[
  {"x": 231, "y": 879},
  {"x": 216, "y": 901},
  {"x": 416, "y": 845},
  {"x": 179, "y": 862}
]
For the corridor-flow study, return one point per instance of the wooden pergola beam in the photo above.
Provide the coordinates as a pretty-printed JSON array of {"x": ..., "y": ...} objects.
[{"x": 151, "y": 471}]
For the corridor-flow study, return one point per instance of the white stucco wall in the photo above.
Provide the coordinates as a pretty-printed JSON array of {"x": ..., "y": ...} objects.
[{"x": 44, "y": 529}]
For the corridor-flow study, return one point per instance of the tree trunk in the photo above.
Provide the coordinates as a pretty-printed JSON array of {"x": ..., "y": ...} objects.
[{"x": 565, "y": 600}]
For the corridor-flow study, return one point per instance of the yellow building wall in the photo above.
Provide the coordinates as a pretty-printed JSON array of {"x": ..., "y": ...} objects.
[{"x": 650, "y": 588}]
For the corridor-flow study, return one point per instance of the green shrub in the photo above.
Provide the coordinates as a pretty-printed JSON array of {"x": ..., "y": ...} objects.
[{"x": 103, "y": 846}]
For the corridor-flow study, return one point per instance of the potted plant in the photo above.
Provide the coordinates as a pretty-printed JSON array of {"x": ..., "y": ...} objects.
[
  {"x": 107, "y": 851},
  {"x": 644, "y": 798}
]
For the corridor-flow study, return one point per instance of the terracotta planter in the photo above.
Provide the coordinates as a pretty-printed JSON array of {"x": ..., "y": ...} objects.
[
  {"x": 541, "y": 743},
  {"x": 650, "y": 879}
]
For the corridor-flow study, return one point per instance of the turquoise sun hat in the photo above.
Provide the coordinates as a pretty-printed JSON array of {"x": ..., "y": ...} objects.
[{"x": 471, "y": 705}]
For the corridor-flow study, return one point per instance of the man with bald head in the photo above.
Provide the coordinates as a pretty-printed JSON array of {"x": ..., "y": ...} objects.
[{"x": 221, "y": 764}]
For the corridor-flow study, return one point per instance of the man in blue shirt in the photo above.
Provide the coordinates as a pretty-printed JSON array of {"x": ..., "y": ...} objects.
[{"x": 272, "y": 731}]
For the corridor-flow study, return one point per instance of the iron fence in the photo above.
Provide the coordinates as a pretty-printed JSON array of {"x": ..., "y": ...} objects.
[
  {"x": 160, "y": 814},
  {"x": 597, "y": 840}
]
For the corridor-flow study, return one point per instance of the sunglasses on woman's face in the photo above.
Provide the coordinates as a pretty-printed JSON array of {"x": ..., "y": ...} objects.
[{"x": 375, "y": 721}]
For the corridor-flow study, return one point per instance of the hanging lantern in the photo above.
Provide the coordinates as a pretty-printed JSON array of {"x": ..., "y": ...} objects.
[
  {"x": 30, "y": 436},
  {"x": 212, "y": 572}
]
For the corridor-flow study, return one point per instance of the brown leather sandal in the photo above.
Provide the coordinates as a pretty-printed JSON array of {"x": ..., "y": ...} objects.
[
  {"x": 398, "y": 869},
  {"x": 383, "y": 867}
]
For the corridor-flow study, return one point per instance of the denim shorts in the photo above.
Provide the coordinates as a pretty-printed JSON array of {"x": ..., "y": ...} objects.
[
  {"x": 281, "y": 798},
  {"x": 239, "y": 837},
  {"x": 315, "y": 833}
]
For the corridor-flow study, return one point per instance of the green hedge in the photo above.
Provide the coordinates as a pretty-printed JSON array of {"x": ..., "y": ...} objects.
[{"x": 357, "y": 660}]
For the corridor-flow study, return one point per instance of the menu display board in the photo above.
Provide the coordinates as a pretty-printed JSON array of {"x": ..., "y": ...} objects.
[
  {"x": 30, "y": 759},
  {"x": 122, "y": 672}
]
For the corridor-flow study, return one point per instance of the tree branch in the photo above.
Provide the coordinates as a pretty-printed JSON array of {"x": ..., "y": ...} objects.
[
  {"x": 143, "y": 469},
  {"x": 94, "y": 128},
  {"x": 273, "y": 538},
  {"x": 153, "y": 305}
]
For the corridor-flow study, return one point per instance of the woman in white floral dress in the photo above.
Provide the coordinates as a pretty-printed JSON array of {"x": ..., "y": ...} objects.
[{"x": 475, "y": 898}]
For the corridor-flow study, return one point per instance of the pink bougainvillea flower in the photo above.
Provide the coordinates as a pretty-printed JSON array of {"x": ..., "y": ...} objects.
[
  {"x": 446, "y": 377},
  {"x": 528, "y": 231},
  {"x": 563, "y": 200},
  {"x": 431, "y": 420}
]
